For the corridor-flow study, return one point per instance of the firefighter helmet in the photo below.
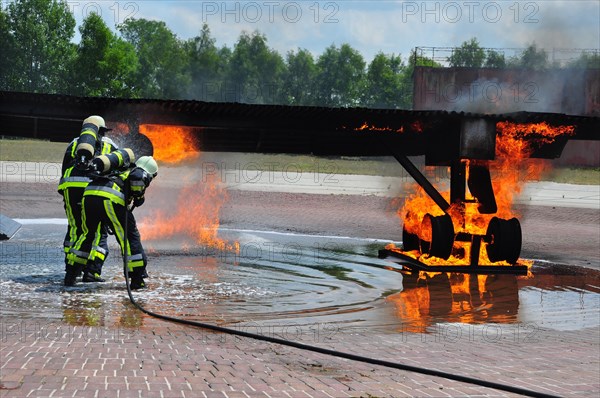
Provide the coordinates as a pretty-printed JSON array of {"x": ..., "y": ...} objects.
[
  {"x": 148, "y": 164},
  {"x": 97, "y": 121}
]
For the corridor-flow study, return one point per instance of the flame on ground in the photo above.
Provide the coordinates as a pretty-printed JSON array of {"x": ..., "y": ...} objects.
[
  {"x": 515, "y": 142},
  {"x": 198, "y": 204},
  {"x": 196, "y": 215}
]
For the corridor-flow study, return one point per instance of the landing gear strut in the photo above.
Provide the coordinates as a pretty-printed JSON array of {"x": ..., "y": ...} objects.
[{"x": 437, "y": 236}]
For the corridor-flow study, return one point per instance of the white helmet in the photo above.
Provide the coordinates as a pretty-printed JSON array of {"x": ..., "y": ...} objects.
[
  {"x": 148, "y": 164},
  {"x": 97, "y": 121}
]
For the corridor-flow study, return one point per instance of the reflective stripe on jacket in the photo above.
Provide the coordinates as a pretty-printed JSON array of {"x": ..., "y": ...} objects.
[
  {"x": 116, "y": 187},
  {"x": 73, "y": 178},
  {"x": 112, "y": 188}
]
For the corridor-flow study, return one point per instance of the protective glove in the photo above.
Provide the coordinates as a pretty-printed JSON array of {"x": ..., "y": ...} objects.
[
  {"x": 137, "y": 202},
  {"x": 92, "y": 170}
]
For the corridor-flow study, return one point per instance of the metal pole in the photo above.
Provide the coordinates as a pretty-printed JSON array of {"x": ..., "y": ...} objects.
[{"x": 422, "y": 181}]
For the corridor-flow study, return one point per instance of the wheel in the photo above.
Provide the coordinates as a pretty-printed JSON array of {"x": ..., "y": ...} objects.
[
  {"x": 504, "y": 239},
  {"x": 410, "y": 241},
  {"x": 437, "y": 236}
]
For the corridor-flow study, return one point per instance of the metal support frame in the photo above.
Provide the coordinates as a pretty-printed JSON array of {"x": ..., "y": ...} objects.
[
  {"x": 422, "y": 181},
  {"x": 410, "y": 264}
]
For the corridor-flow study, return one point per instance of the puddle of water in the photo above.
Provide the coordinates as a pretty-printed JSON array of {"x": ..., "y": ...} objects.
[{"x": 289, "y": 281}]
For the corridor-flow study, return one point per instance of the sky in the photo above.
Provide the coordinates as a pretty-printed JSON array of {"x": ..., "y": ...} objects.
[{"x": 391, "y": 27}]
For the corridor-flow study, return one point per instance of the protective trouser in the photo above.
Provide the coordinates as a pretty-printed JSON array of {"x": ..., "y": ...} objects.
[
  {"x": 99, "y": 210},
  {"x": 72, "y": 199}
]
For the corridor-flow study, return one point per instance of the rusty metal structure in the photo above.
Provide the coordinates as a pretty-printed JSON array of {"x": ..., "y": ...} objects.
[
  {"x": 492, "y": 90},
  {"x": 444, "y": 138}
]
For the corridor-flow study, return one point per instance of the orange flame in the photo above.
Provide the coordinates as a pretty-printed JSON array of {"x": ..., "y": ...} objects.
[
  {"x": 198, "y": 205},
  {"x": 514, "y": 144},
  {"x": 172, "y": 144},
  {"x": 197, "y": 215},
  {"x": 367, "y": 126},
  {"x": 417, "y": 126},
  {"x": 432, "y": 297},
  {"x": 119, "y": 128}
]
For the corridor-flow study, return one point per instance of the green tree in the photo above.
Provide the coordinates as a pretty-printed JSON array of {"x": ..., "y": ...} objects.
[
  {"x": 122, "y": 66},
  {"x": 531, "y": 58},
  {"x": 105, "y": 65},
  {"x": 469, "y": 54},
  {"x": 255, "y": 72},
  {"x": 340, "y": 76},
  {"x": 7, "y": 44},
  {"x": 299, "y": 81},
  {"x": 206, "y": 67},
  {"x": 383, "y": 88},
  {"x": 163, "y": 63},
  {"x": 495, "y": 59},
  {"x": 43, "y": 53},
  {"x": 587, "y": 60}
]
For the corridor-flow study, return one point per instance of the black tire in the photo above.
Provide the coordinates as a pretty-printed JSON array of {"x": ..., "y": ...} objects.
[
  {"x": 409, "y": 241},
  {"x": 504, "y": 239},
  {"x": 442, "y": 236}
]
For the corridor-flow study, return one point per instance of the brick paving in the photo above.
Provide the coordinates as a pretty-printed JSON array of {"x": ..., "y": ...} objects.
[{"x": 162, "y": 359}]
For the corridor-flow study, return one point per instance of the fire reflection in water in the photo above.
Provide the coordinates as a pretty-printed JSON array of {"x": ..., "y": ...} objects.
[
  {"x": 562, "y": 298},
  {"x": 429, "y": 298}
]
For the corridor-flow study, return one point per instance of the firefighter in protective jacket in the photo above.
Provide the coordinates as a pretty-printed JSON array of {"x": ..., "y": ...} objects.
[
  {"x": 90, "y": 143},
  {"x": 107, "y": 200}
]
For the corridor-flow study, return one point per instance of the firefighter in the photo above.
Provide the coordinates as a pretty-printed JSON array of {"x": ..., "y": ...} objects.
[
  {"x": 107, "y": 200},
  {"x": 90, "y": 143}
]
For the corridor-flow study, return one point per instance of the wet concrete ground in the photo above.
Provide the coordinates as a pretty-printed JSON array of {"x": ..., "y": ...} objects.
[
  {"x": 309, "y": 275},
  {"x": 282, "y": 279}
]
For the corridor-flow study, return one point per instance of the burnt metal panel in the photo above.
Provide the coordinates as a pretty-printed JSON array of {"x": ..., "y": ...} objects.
[
  {"x": 477, "y": 139},
  {"x": 500, "y": 90},
  {"x": 271, "y": 128}
]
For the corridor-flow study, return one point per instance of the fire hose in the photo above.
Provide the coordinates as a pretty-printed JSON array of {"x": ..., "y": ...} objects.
[{"x": 320, "y": 350}]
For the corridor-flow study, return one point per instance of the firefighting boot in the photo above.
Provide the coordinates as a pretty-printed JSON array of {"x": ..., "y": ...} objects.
[
  {"x": 92, "y": 271},
  {"x": 71, "y": 275},
  {"x": 137, "y": 276},
  {"x": 89, "y": 276},
  {"x": 70, "y": 278},
  {"x": 137, "y": 283}
]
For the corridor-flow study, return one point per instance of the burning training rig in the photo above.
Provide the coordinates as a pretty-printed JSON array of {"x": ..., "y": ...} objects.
[
  {"x": 475, "y": 233},
  {"x": 467, "y": 229}
]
